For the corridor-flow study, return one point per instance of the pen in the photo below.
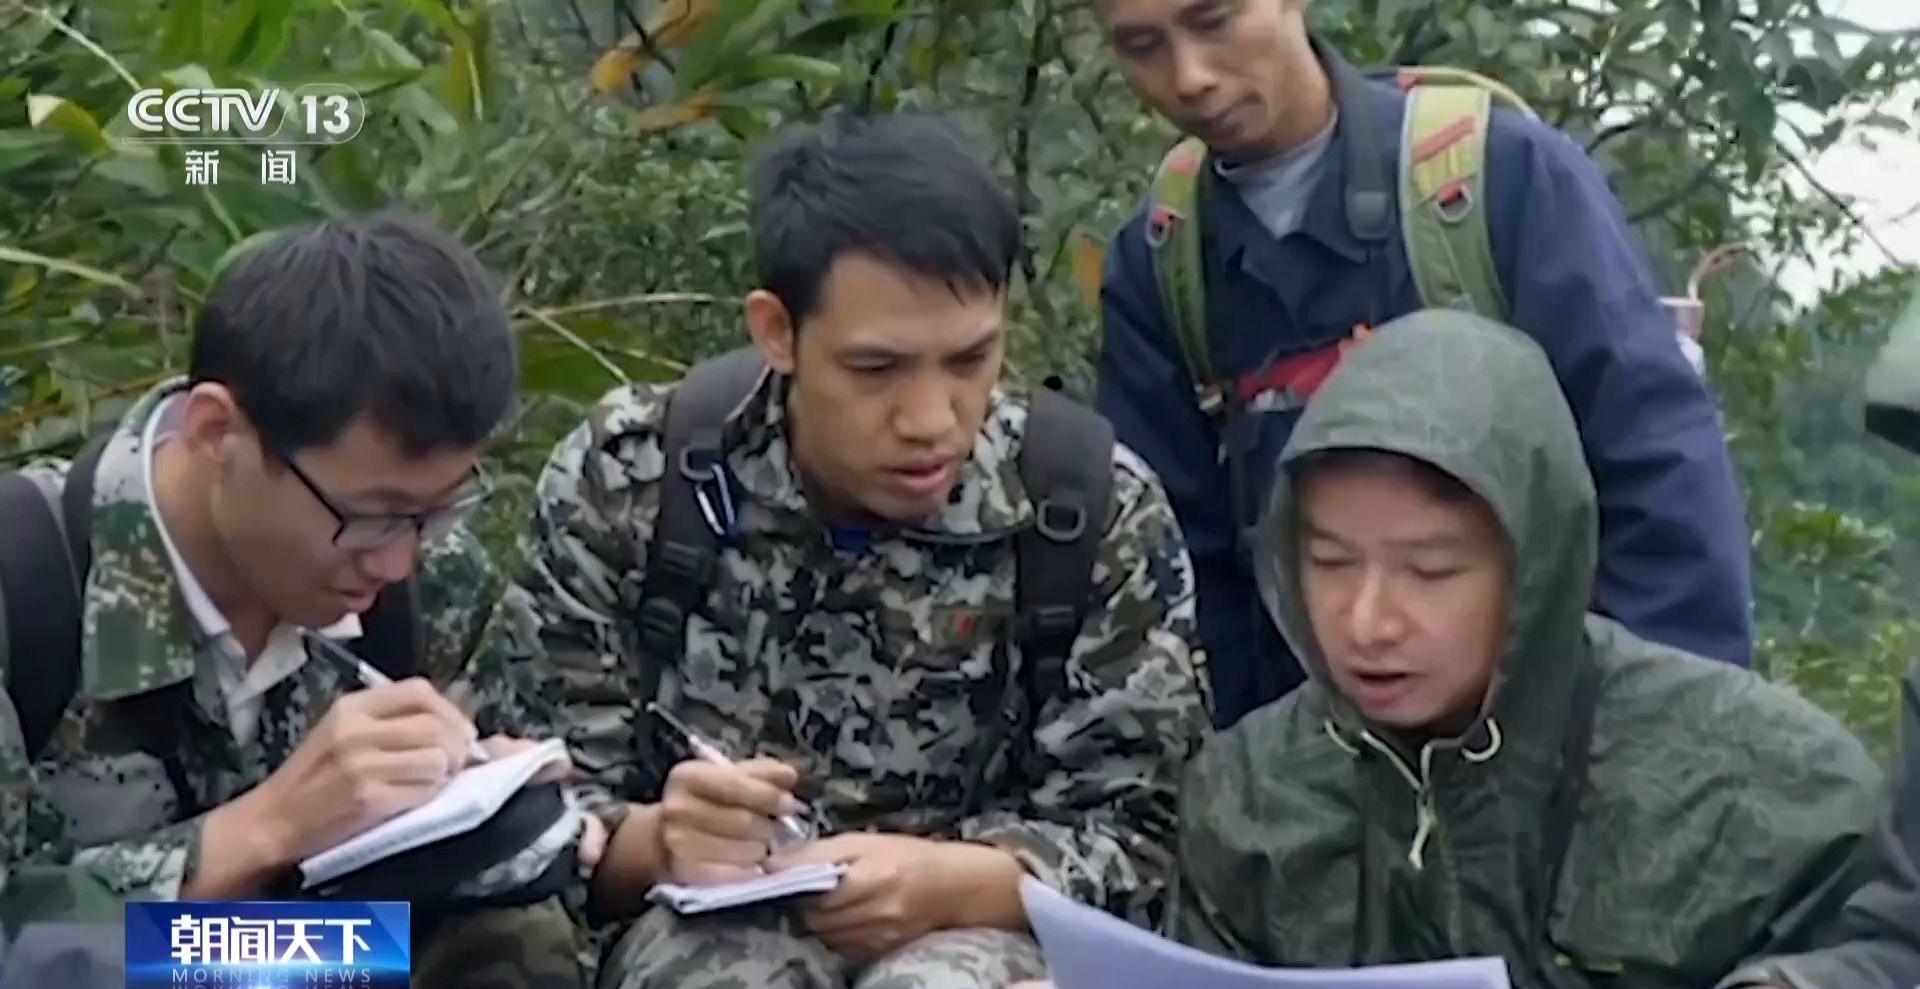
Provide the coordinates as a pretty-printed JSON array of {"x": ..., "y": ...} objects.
[
  {"x": 793, "y": 831},
  {"x": 364, "y": 672}
]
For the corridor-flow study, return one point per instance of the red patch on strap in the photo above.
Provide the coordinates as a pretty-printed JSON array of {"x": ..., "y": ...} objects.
[
  {"x": 1440, "y": 141},
  {"x": 1184, "y": 160}
]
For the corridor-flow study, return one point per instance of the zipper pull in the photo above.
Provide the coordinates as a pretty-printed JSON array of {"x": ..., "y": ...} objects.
[{"x": 1417, "y": 855}]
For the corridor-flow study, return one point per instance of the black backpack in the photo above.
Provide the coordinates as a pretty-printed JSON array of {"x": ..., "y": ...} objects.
[
  {"x": 46, "y": 552},
  {"x": 1066, "y": 465}
]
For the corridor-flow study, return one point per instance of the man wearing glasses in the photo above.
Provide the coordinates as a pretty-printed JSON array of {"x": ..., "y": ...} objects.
[{"x": 305, "y": 480}]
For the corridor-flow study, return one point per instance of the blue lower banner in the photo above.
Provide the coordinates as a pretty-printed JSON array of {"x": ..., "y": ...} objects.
[{"x": 308, "y": 944}]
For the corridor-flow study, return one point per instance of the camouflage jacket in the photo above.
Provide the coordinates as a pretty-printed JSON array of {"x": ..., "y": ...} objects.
[
  {"x": 1718, "y": 811},
  {"x": 877, "y": 671},
  {"x": 92, "y": 801}
]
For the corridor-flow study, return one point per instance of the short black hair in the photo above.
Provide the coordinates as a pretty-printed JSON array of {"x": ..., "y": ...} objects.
[
  {"x": 382, "y": 314},
  {"x": 906, "y": 188}
]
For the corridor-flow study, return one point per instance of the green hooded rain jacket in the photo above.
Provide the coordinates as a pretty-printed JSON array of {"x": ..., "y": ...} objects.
[{"x": 1696, "y": 817}]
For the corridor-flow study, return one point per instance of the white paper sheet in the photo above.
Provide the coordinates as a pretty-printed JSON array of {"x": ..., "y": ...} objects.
[{"x": 1091, "y": 949}]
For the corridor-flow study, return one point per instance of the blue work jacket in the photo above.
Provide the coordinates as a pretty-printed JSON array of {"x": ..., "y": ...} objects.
[{"x": 1674, "y": 563}]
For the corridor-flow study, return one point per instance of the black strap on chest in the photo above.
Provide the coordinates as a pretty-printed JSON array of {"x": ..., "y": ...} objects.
[
  {"x": 1563, "y": 807},
  {"x": 685, "y": 548},
  {"x": 1066, "y": 465}
]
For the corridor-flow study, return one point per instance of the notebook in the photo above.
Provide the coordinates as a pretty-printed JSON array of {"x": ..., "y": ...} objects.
[
  {"x": 821, "y": 877},
  {"x": 465, "y": 803}
]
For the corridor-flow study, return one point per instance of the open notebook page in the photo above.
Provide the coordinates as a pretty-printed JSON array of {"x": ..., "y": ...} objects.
[{"x": 465, "y": 803}]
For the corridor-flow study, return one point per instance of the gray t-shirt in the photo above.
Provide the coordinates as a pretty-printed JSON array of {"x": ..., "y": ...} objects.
[{"x": 1276, "y": 188}]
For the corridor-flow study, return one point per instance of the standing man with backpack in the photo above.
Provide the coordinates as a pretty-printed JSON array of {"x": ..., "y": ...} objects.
[
  {"x": 1309, "y": 203},
  {"x": 942, "y": 627},
  {"x": 179, "y": 722}
]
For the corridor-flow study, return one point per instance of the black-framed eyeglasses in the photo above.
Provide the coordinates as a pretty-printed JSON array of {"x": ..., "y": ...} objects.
[{"x": 359, "y": 532}]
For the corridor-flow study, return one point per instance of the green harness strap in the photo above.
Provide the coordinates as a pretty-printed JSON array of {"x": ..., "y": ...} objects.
[
  {"x": 1444, "y": 229},
  {"x": 1443, "y": 160},
  {"x": 1173, "y": 237},
  {"x": 1443, "y": 151}
]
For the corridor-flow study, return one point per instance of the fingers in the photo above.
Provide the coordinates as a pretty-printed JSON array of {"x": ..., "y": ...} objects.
[
  {"x": 708, "y": 874},
  {"x": 412, "y": 696},
  {"x": 405, "y": 733},
  {"x": 865, "y": 883},
  {"x": 838, "y": 848},
  {"x": 502, "y": 746},
  {"x": 430, "y": 766},
  {"x": 593, "y": 841},
  {"x": 692, "y": 846},
  {"x": 377, "y": 800},
  {"x": 759, "y": 787}
]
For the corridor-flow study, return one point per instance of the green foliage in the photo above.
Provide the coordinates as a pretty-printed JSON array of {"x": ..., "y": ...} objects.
[
  {"x": 1837, "y": 547},
  {"x": 593, "y": 154}
]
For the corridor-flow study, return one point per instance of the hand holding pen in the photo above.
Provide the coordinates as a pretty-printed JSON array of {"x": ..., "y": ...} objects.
[
  {"x": 371, "y": 754},
  {"x": 720, "y": 819},
  {"x": 362, "y": 672}
]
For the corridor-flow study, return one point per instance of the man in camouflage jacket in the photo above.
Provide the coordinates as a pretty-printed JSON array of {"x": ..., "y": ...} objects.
[
  {"x": 209, "y": 562},
  {"x": 855, "y": 637}
]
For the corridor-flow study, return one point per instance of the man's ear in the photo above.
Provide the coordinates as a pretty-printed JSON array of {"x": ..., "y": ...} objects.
[
  {"x": 772, "y": 328},
  {"x": 212, "y": 425}
]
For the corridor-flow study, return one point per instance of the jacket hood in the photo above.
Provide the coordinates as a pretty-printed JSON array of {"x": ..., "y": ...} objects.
[{"x": 1478, "y": 400}]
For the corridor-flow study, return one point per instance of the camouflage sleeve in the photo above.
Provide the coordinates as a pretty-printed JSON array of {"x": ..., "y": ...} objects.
[
  {"x": 43, "y": 871},
  {"x": 47, "y": 874},
  {"x": 39, "y": 879},
  {"x": 594, "y": 505},
  {"x": 479, "y": 648},
  {"x": 1097, "y": 820}
]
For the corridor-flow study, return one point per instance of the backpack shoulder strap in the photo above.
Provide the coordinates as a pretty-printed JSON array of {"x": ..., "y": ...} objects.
[
  {"x": 1066, "y": 465},
  {"x": 1442, "y": 189},
  {"x": 392, "y": 638},
  {"x": 1443, "y": 155},
  {"x": 1173, "y": 240},
  {"x": 43, "y": 570},
  {"x": 681, "y": 556}
]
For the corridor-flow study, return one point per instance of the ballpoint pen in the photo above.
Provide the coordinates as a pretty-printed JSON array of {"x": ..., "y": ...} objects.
[
  {"x": 364, "y": 672},
  {"x": 792, "y": 831}
]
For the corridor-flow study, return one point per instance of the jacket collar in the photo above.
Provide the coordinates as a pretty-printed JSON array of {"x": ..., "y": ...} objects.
[
  {"x": 988, "y": 502},
  {"x": 1367, "y": 129}
]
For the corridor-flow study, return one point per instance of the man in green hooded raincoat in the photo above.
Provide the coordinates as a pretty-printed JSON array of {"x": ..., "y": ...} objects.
[{"x": 1480, "y": 766}]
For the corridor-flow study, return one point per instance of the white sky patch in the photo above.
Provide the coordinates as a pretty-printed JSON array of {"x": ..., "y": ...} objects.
[{"x": 1881, "y": 177}]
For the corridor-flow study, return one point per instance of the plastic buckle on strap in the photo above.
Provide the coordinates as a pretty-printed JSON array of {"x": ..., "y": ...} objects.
[
  {"x": 686, "y": 562},
  {"x": 1453, "y": 203},
  {"x": 1051, "y": 620},
  {"x": 660, "y": 621},
  {"x": 1060, "y": 522},
  {"x": 1160, "y": 224},
  {"x": 1210, "y": 399},
  {"x": 704, "y": 467}
]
